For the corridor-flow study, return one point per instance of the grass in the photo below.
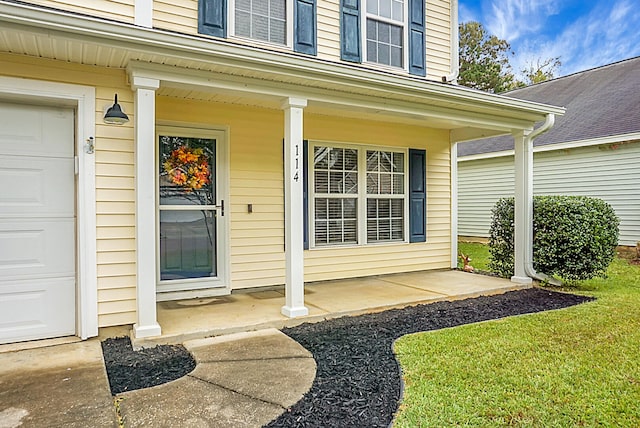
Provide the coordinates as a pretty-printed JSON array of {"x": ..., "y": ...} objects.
[
  {"x": 578, "y": 366},
  {"x": 479, "y": 255}
]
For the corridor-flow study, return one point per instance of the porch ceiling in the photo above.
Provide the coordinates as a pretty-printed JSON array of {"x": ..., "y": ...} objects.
[{"x": 215, "y": 70}]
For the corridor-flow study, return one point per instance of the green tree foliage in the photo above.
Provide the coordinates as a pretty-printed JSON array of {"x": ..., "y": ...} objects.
[
  {"x": 574, "y": 237},
  {"x": 540, "y": 71},
  {"x": 484, "y": 59},
  {"x": 485, "y": 62}
]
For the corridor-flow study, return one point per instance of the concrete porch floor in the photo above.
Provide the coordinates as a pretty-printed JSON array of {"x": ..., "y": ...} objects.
[{"x": 248, "y": 310}]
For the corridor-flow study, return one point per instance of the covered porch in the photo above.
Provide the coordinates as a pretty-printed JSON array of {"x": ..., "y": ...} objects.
[{"x": 254, "y": 309}]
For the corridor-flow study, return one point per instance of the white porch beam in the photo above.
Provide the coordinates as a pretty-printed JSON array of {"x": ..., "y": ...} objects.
[
  {"x": 293, "y": 215},
  {"x": 523, "y": 219},
  {"x": 145, "y": 124}
]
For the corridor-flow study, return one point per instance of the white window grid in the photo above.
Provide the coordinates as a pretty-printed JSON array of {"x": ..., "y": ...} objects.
[
  {"x": 386, "y": 192},
  {"x": 235, "y": 5},
  {"x": 361, "y": 199},
  {"x": 384, "y": 15}
]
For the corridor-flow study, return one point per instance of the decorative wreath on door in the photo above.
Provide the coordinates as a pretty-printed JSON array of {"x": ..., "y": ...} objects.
[{"x": 188, "y": 167}]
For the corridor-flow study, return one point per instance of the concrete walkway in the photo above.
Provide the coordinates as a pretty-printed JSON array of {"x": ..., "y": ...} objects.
[
  {"x": 59, "y": 386},
  {"x": 242, "y": 380}
]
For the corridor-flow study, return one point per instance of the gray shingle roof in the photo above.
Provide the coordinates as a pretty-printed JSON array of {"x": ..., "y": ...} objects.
[{"x": 600, "y": 102}]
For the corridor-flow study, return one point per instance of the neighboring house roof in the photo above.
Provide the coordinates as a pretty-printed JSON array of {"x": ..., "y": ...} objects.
[{"x": 600, "y": 102}]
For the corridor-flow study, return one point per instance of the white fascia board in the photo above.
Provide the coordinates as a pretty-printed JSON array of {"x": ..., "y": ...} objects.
[
  {"x": 172, "y": 77},
  {"x": 211, "y": 50},
  {"x": 612, "y": 139}
]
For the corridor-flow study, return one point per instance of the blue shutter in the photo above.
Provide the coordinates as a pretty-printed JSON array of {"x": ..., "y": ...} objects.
[
  {"x": 350, "y": 49},
  {"x": 417, "y": 56},
  {"x": 305, "y": 191},
  {"x": 304, "y": 27},
  {"x": 417, "y": 196},
  {"x": 212, "y": 17}
]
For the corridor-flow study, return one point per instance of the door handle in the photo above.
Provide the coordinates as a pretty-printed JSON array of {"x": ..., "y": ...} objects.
[{"x": 220, "y": 207}]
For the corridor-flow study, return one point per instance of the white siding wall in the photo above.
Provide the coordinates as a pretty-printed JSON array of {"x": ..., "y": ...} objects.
[
  {"x": 480, "y": 184},
  {"x": 607, "y": 172}
]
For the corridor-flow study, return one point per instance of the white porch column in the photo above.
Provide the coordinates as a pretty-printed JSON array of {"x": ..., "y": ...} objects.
[
  {"x": 145, "y": 124},
  {"x": 523, "y": 220},
  {"x": 293, "y": 202}
]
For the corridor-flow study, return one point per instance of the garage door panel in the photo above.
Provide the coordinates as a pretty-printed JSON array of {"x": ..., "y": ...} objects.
[
  {"x": 36, "y": 247},
  {"x": 37, "y": 222},
  {"x": 37, "y": 308},
  {"x": 34, "y": 187},
  {"x": 39, "y": 130}
]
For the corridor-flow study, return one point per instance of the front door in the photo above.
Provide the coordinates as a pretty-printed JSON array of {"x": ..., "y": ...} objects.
[{"x": 192, "y": 224}]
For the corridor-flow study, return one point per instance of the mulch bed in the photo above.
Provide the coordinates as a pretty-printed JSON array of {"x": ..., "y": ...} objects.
[
  {"x": 128, "y": 369},
  {"x": 358, "y": 380}
]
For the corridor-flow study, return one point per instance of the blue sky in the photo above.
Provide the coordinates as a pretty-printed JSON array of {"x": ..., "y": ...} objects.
[{"x": 583, "y": 33}]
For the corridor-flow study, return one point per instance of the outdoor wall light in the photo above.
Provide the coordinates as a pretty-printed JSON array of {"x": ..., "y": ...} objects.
[{"x": 115, "y": 115}]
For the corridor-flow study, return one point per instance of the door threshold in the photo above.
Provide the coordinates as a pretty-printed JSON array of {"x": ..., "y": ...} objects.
[{"x": 202, "y": 293}]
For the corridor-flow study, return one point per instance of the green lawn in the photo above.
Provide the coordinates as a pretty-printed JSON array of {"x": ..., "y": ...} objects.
[{"x": 578, "y": 366}]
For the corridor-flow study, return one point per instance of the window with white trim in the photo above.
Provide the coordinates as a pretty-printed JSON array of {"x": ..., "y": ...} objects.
[
  {"x": 264, "y": 20},
  {"x": 358, "y": 195},
  {"x": 385, "y": 32}
]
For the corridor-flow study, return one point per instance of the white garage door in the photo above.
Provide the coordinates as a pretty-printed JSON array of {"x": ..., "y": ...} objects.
[{"x": 37, "y": 223}]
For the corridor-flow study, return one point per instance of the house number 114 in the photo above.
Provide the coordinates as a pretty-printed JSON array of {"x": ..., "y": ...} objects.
[{"x": 296, "y": 170}]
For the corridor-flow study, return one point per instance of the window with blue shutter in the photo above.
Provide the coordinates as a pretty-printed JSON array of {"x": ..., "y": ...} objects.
[
  {"x": 386, "y": 25},
  {"x": 304, "y": 27},
  {"x": 355, "y": 195},
  {"x": 212, "y": 17},
  {"x": 417, "y": 195},
  {"x": 417, "y": 55},
  {"x": 350, "y": 36}
]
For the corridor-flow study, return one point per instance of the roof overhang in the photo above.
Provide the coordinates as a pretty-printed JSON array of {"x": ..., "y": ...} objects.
[{"x": 214, "y": 69}]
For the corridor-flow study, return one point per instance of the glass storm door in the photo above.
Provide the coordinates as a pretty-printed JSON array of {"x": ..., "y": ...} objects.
[{"x": 189, "y": 213}]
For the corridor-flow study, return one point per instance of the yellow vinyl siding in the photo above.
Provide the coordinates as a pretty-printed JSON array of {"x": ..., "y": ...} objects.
[
  {"x": 439, "y": 42},
  {"x": 329, "y": 30},
  {"x": 179, "y": 15},
  {"x": 115, "y": 210},
  {"x": 115, "y": 196},
  {"x": 117, "y": 10}
]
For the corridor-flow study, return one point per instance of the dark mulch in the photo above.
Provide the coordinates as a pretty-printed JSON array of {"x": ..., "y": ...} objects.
[
  {"x": 128, "y": 369},
  {"x": 358, "y": 381}
]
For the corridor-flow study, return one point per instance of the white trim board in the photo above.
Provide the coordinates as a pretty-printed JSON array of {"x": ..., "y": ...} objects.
[
  {"x": 621, "y": 138},
  {"x": 83, "y": 99}
]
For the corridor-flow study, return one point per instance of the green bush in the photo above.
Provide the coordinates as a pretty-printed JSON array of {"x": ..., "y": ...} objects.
[{"x": 574, "y": 237}]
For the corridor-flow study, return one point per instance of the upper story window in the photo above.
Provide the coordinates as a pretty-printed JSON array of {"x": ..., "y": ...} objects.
[
  {"x": 385, "y": 32},
  {"x": 264, "y": 20},
  {"x": 289, "y": 23}
]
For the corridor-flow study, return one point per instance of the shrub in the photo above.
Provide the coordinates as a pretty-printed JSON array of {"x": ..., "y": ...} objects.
[{"x": 574, "y": 237}]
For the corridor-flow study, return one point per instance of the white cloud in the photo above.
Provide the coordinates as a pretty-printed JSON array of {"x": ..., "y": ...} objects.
[
  {"x": 608, "y": 33},
  {"x": 511, "y": 19},
  {"x": 465, "y": 14}
]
